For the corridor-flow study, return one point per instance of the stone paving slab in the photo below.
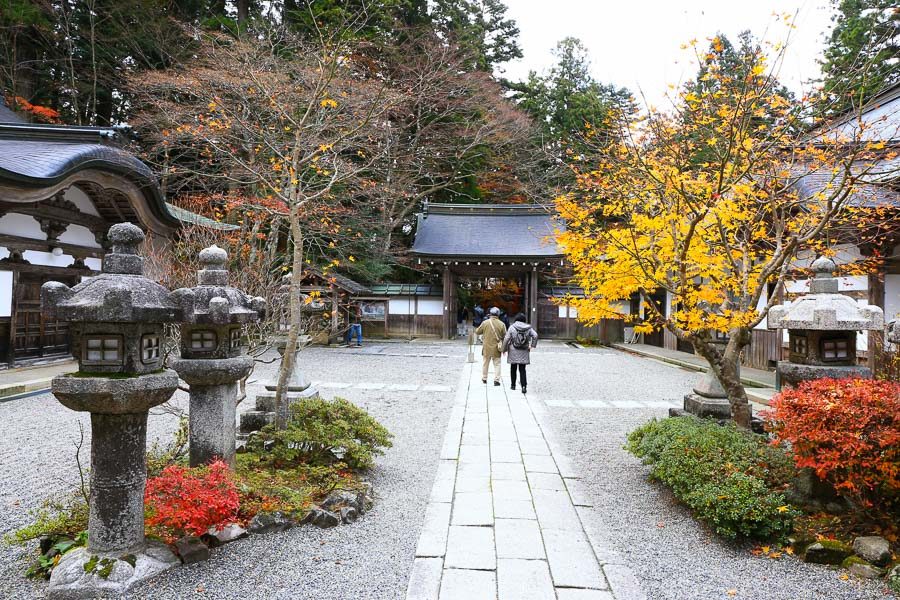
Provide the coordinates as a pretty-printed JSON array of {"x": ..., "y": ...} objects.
[{"x": 503, "y": 510}]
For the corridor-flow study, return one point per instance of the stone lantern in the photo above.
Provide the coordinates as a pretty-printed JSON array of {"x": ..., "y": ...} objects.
[
  {"x": 212, "y": 362},
  {"x": 298, "y": 386},
  {"x": 116, "y": 320},
  {"x": 822, "y": 328},
  {"x": 893, "y": 334}
]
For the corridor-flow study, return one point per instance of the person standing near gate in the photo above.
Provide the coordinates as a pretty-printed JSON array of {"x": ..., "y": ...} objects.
[
  {"x": 518, "y": 342},
  {"x": 492, "y": 331},
  {"x": 477, "y": 319},
  {"x": 355, "y": 326}
]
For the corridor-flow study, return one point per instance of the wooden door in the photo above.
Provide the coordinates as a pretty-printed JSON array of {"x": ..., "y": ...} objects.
[{"x": 35, "y": 335}]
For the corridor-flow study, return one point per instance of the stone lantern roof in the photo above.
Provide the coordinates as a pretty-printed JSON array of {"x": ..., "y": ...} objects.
[
  {"x": 824, "y": 309},
  {"x": 213, "y": 301},
  {"x": 894, "y": 332},
  {"x": 120, "y": 294}
]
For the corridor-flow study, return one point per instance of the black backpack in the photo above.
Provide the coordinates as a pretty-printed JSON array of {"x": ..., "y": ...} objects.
[{"x": 520, "y": 338}]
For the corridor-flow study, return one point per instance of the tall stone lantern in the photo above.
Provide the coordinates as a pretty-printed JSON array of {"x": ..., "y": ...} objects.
[
  {"x": 212, "y": 362},
  {"x": 822, "y": 328},
  {"x": 116, "y": 321}
]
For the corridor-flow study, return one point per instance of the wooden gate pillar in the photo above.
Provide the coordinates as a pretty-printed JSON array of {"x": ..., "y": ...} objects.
[
  {"x": 449, "y": 317},
  {"x": 533, "y": 297}
]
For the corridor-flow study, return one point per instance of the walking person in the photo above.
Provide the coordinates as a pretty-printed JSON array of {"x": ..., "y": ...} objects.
[
  {"x": 355, "y": 327},
  {"x": 493, "y": 332},
  {"x": 477, "y": 320},
  {"x": 462, "y": 318},
  {"x": 518, "y": 342}
]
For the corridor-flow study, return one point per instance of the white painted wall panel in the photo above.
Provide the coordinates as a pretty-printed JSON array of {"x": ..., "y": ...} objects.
[
  {"x": 22, "y": 226},
  {"x": 79, "y": 235},
  {"x": 81, "y": 200},
  {"x": 401, "y": 305},
  {"x": 36, "y": 257},
  {"x": 6, "y": 279},
  {"x": 891, "y": 297},
  {"x": 93, "y": 263},
  {"x": 431, "y": 306}
]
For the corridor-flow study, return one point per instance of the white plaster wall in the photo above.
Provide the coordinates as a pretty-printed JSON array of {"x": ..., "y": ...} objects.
[
  {"x": 6, "y": 280},
  {"x": 401, "y": 305},
  {"x": 891, "y": 297},
  {"x": 93, "y": 263},
  {"x": 79, "y": 235},
  {"x": 22, "y": 226},
  {"x": 81, "y": 200},
  {"x": 37, "y": 257},
  {"x": 431, "y": 306}
]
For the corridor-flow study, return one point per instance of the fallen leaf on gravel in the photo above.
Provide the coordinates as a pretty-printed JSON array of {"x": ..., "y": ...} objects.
[
  {"x": 661, "y": 524},
  {"x": 731, "y": 592},
  {"x": 845, "y": 577}
]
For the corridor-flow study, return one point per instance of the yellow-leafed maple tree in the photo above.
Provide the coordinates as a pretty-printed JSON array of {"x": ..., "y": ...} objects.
[{"x": 713, "y": 203}]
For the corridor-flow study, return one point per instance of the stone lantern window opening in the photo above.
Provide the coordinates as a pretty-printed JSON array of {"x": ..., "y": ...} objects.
[
  {"x": 102, "y": 350},
  {"x": 234, "y": 341},
  {"x": 150, "y": 348},
  {"x": 203, "y": 340},
  {"x": 799, "y": 345},
  {"x": 836, "y": 349}
]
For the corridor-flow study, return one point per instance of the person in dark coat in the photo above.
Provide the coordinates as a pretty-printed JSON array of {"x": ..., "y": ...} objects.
[
  {"x": 479, "y": 315},
  {"x": 517, "y": 344}
]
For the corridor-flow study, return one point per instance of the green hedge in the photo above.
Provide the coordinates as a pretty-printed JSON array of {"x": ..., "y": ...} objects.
[{"x": 729, "y": 478}]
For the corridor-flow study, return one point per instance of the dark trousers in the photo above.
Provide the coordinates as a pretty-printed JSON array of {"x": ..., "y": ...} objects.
[{"x": 512, "y": 374}]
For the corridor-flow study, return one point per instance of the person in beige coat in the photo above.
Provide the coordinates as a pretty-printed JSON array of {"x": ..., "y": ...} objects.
[{"x": 492, "y": 331}]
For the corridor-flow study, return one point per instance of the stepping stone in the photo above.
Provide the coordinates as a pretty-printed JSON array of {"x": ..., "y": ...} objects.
[
  {"x": 518, "y": 538},
  {"x": 470, "y": 548},
  {"x": 465, "y": 584},
  {"x": 425, "y": 579},
  {"x": 473, "y": 508},
  {"x": 524, "y": 580},
  {"x": 433, "y": 539},
  {"x": 571, "y": 559}
]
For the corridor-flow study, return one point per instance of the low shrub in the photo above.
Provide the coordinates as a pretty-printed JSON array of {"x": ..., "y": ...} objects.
[
  {"x": 848, "y": 432},
  {"x": 323, "y": 433},
  {"x": 188, "y": 501},
  {"x": 731, "y": 479}
]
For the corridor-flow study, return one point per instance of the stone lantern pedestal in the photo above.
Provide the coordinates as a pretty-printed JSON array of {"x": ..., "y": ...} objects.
[
  {"x": 117, "y": 325},
  {"x": 211, "y": 360},
  {"x": 822, "y": 327}
]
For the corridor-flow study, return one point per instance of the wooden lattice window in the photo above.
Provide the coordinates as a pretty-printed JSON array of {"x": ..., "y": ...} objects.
[
  {"x": 102, "y": 350},
  {"x": 799, "y": 345},
  {"x": 203, "y": 341},
  {"x": 150, "y": 348},
  {"x": 835, "y": 349}
]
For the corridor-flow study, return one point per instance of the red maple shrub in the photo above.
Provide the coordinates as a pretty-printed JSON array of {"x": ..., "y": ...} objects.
[
  {"x": 848, "y": 432},
  {"x": 188, "y": 501}
]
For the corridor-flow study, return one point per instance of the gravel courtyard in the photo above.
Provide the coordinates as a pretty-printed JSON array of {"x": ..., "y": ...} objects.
[{"x": 592, "y": 398}]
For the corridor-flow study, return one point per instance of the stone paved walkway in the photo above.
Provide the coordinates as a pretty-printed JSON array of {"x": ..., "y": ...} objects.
[{"x": 503, "y": 518}]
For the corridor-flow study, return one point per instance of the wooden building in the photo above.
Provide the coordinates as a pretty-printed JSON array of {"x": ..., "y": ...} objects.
[
  {"x": 61, "y": 188},
  {"x": 487, "y": 241}
]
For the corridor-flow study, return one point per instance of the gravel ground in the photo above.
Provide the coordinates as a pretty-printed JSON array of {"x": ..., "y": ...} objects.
[
  {"x": 370, "y": 559},
  {"x": 673, "y": 556}
]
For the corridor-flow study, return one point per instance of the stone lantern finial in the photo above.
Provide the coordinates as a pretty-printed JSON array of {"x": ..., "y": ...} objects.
[
  {"x": 124, "y": 238},
  {"x": 824, "y": 280},
  {"x": 212, "y": 261}
]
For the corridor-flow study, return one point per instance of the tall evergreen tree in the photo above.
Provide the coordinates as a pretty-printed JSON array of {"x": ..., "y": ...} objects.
[{"x": 863, "y": 53}]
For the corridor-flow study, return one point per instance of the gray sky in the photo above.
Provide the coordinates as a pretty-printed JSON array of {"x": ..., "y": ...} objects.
[{"x": 637, "y": 44}]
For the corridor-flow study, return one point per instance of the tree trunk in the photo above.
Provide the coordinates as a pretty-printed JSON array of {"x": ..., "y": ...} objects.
[
  {"x": 243, "y": 11},
  {"x": 726, "y": 367},
  {"x": 287, "y": 360}
]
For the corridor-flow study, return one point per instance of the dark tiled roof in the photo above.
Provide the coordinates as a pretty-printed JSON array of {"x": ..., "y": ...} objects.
[
  {"x": 7, "y": 115},
  {"x": 406, "y": 289},
  {"x": 486, "y": 230},
  {"x": 561, "y": 291},
  {"x": 42, "y": 155},
  {"x": 877, "y": 192}
]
